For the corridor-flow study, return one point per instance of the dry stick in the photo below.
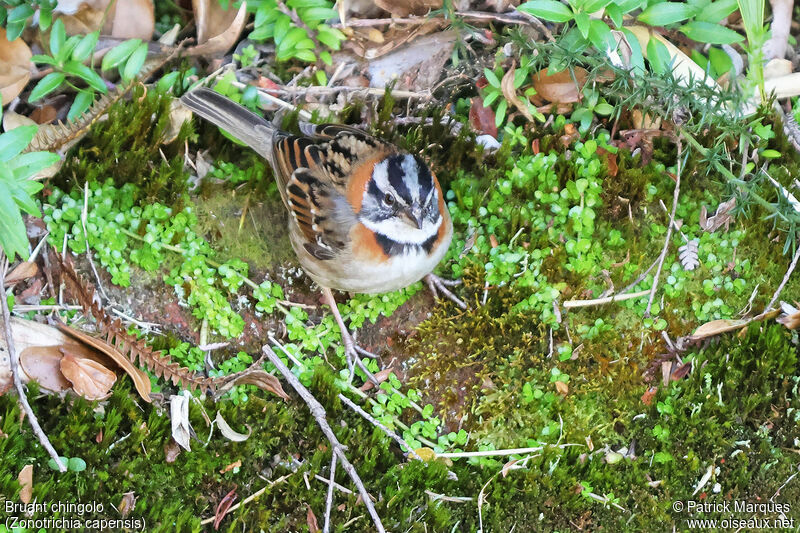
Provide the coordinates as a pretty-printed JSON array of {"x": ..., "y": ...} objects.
[
  {"x": 785, "y": 280},
  {"x": 400, "y": 440},
  {"x": 329, "y": 498},
  {"x": 676, "y": 193},
  {"x": 250, "y": 498},
  {"x": 318, "y": 412},
  {"x": 512, "y": 17},
  {"x": 14, "y": 362},
  {"x": 606, "y": 300}
]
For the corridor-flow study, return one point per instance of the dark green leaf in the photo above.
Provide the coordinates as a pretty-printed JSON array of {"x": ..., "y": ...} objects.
[
  {"x": 615, "y": 14},
  {"x": 658, "y": 56},
  {"x": 13, "y": 238},
  {"x": 293, "y": 36},
  {"x": 314, "y": 14},
  {"x": 26, "y": 165},
  {"x": 600, "y": 35},
  {"x": 305, "y": 55},
  {"x": 85, "y": 47},
  {"x": 491, "y": 77},
  {"x": 717, "y": 11},
  {"x": 548, "y": 10},
  {"x": 46, "y": 85},
  {"x": 135, "y": 62},
  {"x": 69, "y": 46},
  {"x": 81, "y": 103},
  {"x": 20, "y": 14},
  {"x": 58, "y": 36},
  {"x": 710, "y": 33},
  {"x": 15, "y": 141},
  {"x": 666, "y": 13},
  {"x": 592, "y": 6},
  {"x": 14, "y": 30},
  {"x": 47, "y": 60},
  {"x": 626, "y": 6},
  {"x": 582, "y": 23},
  {"x": 119, "y": 53},
  {"x": 86, "y": 74},
  {"x": 281, "y": 28}
]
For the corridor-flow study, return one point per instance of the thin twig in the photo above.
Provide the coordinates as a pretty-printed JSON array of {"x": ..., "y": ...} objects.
[
  {"x": 512, "y": 17},
  {"x": 503, "y": 453},
  {"x": 84, "y": 213},
  {"x": 400, "y": 440},
  {"x": 250, "y": 498},
  {"x": 640, "y": 278},
  {"x": 676, "y": 193},
  {"x": 338, "y": 487},
  {"x": 785, "y": 279},
  {"x": 14, "y": 363},
  {"x": 607, "y": 300},
  {"x": 318, "y": 89},
  {"x": 318, "y": 412},
  {"x": 329, "y": 498}
]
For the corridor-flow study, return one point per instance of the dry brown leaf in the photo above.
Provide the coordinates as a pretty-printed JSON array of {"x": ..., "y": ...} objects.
[
  {"x": 179, "y": 417},
  {"x": 716, "y": 327},
  {"x": 211, "y": 19},
  {"x": 220, "y": 43},
  {"x": 131, "y": 19},
  {"x": 404, "y": 8},
  {"x": 722, "y": 216},
  {"x": 258, "y": 377},
  {"x": 13, "y": 120},
  {"x": 507, "y": 467},
  {"x": 228, "y": 432},
  {"x": 381, "y": 376},
  {"x": 481, "y": 118},
  {"x": 171, "y": 451},
  {"x": 231, "y": 466},
  {"x": 21, "y": 272},
  {"x": 647, "y": 397},
  {"x": 790, "y": 316},
  {"x": 15, "y": 67},
  {"x": 43, "y": 365},
  {"x": 510, "y": 93},
  {"x": 562, "y": 388},
  {"x": 413, "y": 61},
  {"x": 223, "y": 506},
  {"x": 25, "y": 479},
  {"x": 89, "y": 378},
  {"x": 560, "y": 87},
  {"x": 127, "y": 504},
  {"x": 140, "y": 379},
  {"x": 666, "y": 370},
  {"x": 311, "y": 520},
  {"x": 681, "y": 372}
]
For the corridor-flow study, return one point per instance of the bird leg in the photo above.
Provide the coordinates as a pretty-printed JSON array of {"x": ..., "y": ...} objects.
[
  {"x": 351, "y": 349},
  {"x": 437, "y": 285}
]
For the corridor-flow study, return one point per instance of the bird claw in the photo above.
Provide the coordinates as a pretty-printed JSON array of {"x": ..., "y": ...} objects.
[{"x": 437, "y": 285}]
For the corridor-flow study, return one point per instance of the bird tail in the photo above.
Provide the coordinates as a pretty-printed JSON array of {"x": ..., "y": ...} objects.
[{"x": 244, "y": 125}]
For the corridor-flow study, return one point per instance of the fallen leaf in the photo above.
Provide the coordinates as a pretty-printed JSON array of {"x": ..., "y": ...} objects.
[
  {"x": 25, "y": 479},
  {"x": 131, "y": 19},
  {"x": 790, "y": 316},
  {"x": 231, "y": 466},
  {"x": 12, "y": 119},
  {"x": 404, "y": 8},
  {"x": 171, "y": 451},
  {"x": 510, "y": 93},
  {"x": 426, "y": 454},
  {"x": 717, "y": 327},
  {"x": 666, "y": 371},
  {"x": 21, "y": 272},
  {"x": 228, "y": 432},
  {"x": 381, "y": 376},
  {"x": 89, "y": 378},
  {"x": 15, "y": 67},
  {"x": 681, "y": 372},
  {"x": 215, "y": 45},
  {"x": 127, "y": 504},
  {"x": 223, "y": 506},
  {"x": 140, "y": 379},
  {"x": 258, "y": 377},
  {"x": 562, "y": 388},
  {"x": 211, "y": 19},
  {"x": 482, "y": 119},
  {"x": 311, "y": 520},
  {"x": 507, "y": 467},
  {"x": 647, "y": 397},
  {"x": 42, "y": 364},
  {"x": 560, "y": 87},
  {"x": 179, "y": 416},
  {"x": 413, "y": 63},
  {"x": 722, "y": 216}
]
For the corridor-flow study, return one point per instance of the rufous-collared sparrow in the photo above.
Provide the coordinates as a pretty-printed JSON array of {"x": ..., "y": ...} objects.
[{"x": 365, "y": 216}]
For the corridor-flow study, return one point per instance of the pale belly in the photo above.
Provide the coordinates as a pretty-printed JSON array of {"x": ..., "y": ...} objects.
[{"x": 345, "y": 274}]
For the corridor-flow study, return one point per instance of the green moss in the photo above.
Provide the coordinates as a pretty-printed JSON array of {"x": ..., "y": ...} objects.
[{"x": 130, "y": 147}]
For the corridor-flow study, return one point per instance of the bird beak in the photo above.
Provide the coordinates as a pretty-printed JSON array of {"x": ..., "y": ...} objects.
[{"x": 414, "y": 217}]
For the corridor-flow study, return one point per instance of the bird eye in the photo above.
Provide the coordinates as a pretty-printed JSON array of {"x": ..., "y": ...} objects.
[{"x": 388, "y": 199}]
